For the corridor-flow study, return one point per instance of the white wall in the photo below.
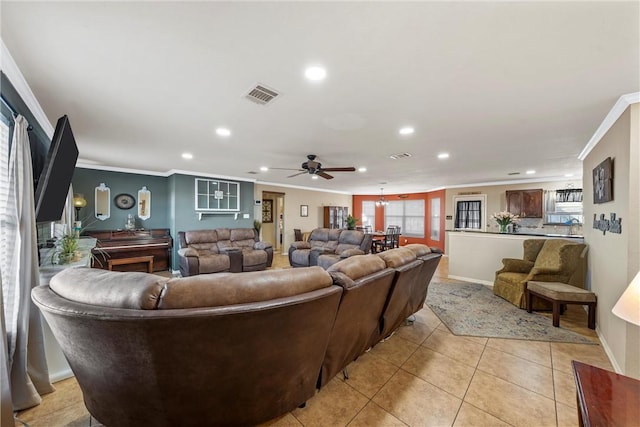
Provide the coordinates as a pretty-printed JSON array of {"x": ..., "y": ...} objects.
[
  {"x": 614, "y": 258},
  {"x": 293, "y": 198}
]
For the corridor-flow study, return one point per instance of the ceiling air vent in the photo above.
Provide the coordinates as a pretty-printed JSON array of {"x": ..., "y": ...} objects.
[
  {"x": 400, "y": 156},
  {"x": 260, "y": 94}
]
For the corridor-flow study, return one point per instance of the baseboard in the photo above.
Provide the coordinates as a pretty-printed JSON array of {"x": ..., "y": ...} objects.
[
  {"x": 472, "y": 280},
  {"x": 607, "y": 350},
  {"x": 60, "y": 375}
]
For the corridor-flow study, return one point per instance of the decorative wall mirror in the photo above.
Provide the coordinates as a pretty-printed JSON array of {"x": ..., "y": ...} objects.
[
  {"x": 103, "y": 202},
  {"x": 144, "y": 203}
]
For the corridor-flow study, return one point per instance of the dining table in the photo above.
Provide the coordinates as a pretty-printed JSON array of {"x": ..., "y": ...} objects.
[{"x": 379, "y": 236}]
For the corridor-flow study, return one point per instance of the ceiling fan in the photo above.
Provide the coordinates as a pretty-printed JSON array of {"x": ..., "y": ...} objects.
[{"x": 315, "y": 168}]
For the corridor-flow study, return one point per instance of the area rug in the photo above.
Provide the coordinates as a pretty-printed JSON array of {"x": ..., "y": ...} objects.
[{"x": 472, "y": 309}]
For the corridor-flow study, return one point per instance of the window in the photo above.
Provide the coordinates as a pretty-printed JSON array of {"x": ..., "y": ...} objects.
[
  {"x": 216, "y": 195},
  {"x": 368, "y": 214},
  {"x": 435, "y": 219},
  {"x": 408, "y": 214},
  {"x": 470, "y": 212}
]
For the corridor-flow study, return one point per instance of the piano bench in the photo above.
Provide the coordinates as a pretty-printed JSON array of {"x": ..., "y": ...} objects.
[{"x": 134, "y": 260}]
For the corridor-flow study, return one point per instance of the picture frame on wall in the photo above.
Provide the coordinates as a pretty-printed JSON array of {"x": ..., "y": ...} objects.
[
  {"x": 304, "y": 210},
  {"x": 267, "y": 210},
  {"x": 603, "y": 182}
]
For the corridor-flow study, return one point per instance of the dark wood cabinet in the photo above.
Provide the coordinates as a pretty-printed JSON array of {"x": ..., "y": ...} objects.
[
  {"x": 525, "y": 203},
  {"x": 133, "y": 244},
  {"x": 335, "y": 216}
]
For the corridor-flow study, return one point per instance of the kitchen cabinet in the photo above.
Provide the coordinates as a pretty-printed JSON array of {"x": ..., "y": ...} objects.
[
  {"x": 335, "y": 216},
  {"x": 525, "y": 203}
]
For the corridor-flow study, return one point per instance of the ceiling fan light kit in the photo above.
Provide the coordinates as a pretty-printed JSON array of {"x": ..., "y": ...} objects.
[{"x": 312, "y": 167}]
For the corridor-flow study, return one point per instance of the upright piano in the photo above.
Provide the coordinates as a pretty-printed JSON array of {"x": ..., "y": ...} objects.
[{"x": 123, "y": 244}]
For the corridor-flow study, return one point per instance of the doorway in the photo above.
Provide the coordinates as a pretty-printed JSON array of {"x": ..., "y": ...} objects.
[{"x": 273, "y": 232}]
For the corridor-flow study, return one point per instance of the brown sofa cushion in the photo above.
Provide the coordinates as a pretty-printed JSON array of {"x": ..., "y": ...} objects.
[
  {"x": 214, "y": 290},
  {"x": 358, "y": 266},
  {"x": 418, "y": 249},
  {"x": 200, "y": 236},
  {"x": 140, "y": 291},
  {"x": 213, "y": 263},
  {"x": 398, "y": 257},
  {"x": 239, "y": 234}
]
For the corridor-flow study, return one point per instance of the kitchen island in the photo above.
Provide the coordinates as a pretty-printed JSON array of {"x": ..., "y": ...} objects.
[{"x": 475, "y": 256}]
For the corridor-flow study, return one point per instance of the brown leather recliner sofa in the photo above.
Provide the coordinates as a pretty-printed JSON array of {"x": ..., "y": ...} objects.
[
  {"x": 221, "y": 349},
  {"x": 212, "y": 349},
  {"x": 222, "y": 249},
  {"x": 326, "y": 246}
]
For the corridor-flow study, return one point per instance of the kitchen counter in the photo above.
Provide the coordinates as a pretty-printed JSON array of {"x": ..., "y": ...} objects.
[
  {"x": 475, "y": 256},
  {"x": 518, "y": 233}
]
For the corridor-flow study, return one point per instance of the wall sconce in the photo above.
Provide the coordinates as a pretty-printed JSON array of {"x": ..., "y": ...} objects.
[
  {"x": 628, "y": 306},
  {"x": 79, "y": 202}
]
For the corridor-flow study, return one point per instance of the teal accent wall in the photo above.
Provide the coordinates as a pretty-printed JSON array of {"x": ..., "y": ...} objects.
[
  {"x": 85, "y": 181},
  {"x": 172, "y": 203},
  {"x": 181, "y": 189}
]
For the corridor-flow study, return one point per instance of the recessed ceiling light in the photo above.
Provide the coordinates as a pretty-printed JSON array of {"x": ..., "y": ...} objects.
[
  {"x": 568, "y": 175},
  {"x": 187, "y": 156},
  {"x": 315, "y": 73},
  {"x": 406, "y": 130},
  {"x": 223, "y": 132},
  {"x": 443, "y": 155},
  {"x": 362, "y": 169},
  {"x": 314, "y": 176},
  {"x": 264, "y": 168},
  {"x": 530, "y": 172}
]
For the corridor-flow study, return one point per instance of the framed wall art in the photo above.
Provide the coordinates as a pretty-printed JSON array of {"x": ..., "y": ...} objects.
[
  {"x": 603, "y": 182},
  {"x": 267, "y": 210}
]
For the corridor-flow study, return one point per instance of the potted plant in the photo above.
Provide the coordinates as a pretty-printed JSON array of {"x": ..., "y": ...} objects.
[
  {"x": 257, "y": 225},
  {"x": 351, "y": 222}
]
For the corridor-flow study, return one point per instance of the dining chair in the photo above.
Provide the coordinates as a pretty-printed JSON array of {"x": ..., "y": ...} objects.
[
  {"x": 386, "y": 242},
  {"x": 298, "y": 234},
  {"x": 396, "y": 237}
]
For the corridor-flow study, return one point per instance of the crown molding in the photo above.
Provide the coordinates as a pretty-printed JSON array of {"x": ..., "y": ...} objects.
[
  {"x": 11, "y": 70},
  {"x": 618, "y": 109},
  {"x": 300, "y": 187}
]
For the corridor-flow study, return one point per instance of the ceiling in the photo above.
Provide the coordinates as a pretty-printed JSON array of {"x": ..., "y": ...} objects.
[{"x": 503, "y": 87}]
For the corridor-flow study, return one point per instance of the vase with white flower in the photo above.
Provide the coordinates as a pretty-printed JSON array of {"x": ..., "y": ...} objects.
[{"x": 504, "y": 219}]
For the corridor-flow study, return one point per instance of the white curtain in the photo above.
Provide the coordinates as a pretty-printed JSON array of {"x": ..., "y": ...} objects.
[{"x": 28, "y": 373}]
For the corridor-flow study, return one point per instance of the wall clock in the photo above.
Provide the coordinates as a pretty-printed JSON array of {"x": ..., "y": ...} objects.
[{"x": 124, "y": 201}]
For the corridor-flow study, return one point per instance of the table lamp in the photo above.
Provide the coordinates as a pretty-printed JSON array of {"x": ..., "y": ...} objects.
[
  {"x": 78, "y": 202},
  {"x": 628, "y": 306}
]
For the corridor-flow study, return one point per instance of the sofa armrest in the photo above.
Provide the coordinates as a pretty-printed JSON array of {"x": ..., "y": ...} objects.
[
  {"x": 351, "y": 252},
  {"x": 187, "y": 252},
  {"x": 235, "y": 258},
  {"x": 301, "y": 245},
  {"x": 516, "y": 265},
  {"x": 263, "y": 246}
]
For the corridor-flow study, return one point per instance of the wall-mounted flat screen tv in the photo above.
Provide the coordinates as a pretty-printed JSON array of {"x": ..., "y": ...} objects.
[{"x": 54, "y": 181}]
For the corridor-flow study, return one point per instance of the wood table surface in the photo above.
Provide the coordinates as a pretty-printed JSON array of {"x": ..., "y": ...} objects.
[{"x": 606, "y": 398}]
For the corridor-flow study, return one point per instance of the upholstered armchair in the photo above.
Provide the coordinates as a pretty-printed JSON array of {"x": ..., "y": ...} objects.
[{"x": 544, "y": 260}]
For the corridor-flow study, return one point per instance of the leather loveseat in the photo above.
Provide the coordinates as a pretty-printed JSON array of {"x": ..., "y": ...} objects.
[
  {"x": 327, "y": 246},
  {"x": 221, "y": 250}
]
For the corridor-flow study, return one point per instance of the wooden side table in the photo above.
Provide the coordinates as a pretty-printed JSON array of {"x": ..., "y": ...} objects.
[{"x": 606, "y": 398}]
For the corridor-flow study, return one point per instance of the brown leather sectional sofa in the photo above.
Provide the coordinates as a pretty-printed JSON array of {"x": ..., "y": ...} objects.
[
  {"x": 327, "y": 246},
  {"x": 224, "y": 349},
  {"x": 222, "y": 249}
]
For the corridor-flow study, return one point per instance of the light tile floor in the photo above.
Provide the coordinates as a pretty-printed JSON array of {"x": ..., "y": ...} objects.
[{"x": 422, "y": 376}]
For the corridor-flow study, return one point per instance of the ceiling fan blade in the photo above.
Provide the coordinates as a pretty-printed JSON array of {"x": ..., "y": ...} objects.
[
  {"x": 287, "y": 169},
  {"x": 296, "y": 174},
  {"x": 346, "y": 169},
  {"x": 324, "y": 175}
]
